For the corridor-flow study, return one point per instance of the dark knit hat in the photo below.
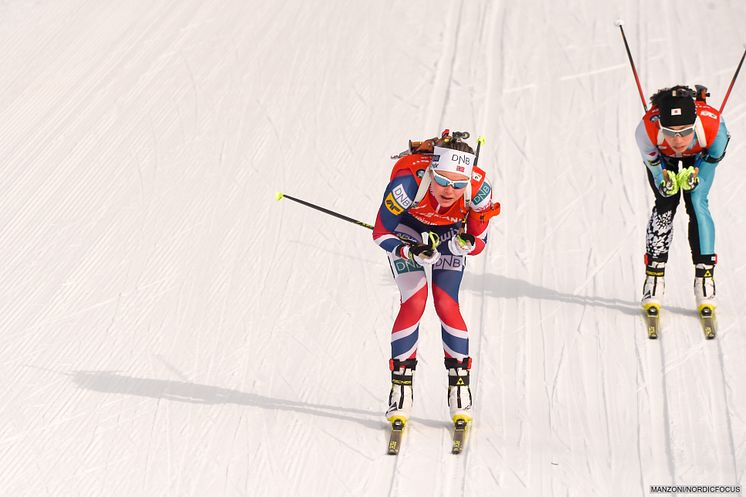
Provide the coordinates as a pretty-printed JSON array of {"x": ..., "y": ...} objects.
[{"x": 677, "y": 107}]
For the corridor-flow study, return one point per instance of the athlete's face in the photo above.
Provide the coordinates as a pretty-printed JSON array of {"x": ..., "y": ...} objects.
[
  {"x": 679, "y": 143},
  {"x": 448, "y": 195}
]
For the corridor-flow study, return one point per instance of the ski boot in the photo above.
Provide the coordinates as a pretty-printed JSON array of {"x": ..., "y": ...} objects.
[
  {"x": 459, "y": 393},
  {"x": 704, "y": 286},
  {"x": 654, "y": 286},
  {"x": 401, "y": 396}
]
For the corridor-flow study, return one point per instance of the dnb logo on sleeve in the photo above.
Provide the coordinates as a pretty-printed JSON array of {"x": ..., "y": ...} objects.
[
  {"x": 401, "y": 196},
  {"x": 482, "y": 193}
]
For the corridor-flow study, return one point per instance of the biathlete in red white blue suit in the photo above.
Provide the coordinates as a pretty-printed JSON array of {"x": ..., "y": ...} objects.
[
  {"x": 420, "y": 223},
  {"x": 682, "y": 140}
]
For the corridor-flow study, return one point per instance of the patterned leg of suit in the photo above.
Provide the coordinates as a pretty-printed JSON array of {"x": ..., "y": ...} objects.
[
  {"x": 412, "y": 283},
  {"x": 447, "y": 278},
  {"x": 660, "y": 226}
]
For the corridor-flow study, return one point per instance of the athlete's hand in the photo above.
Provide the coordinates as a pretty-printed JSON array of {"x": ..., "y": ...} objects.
[
  {"x": 688, "y": 178},
  {"x": 423, "y": 254},
  {"x": 461, "y": 244},
  {"x": 670, "y": 184}
]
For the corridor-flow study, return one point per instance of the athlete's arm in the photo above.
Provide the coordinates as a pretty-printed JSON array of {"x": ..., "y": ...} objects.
[
  {"x": 397, "y": 199},
  {"x": 481, "y": 201},
  {"x": 651, "y": 156},
  {"x": 716, "y": 151}
]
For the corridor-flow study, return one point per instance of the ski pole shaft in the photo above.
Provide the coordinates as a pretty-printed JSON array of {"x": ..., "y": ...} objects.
[
  {"x": 406, "y": 240},
  {"x": 619, "y": 23},
  {"x": 732, "y": 81},
  {"x": 280, "y": 196}
]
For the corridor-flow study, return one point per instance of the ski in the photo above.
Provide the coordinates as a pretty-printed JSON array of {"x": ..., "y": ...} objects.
[
  {"x": 652, "y": 320},
  {"x": 395, "y": 436},
  {"x": 460, "y": 430},
  {"x": 707, "y": 319}
]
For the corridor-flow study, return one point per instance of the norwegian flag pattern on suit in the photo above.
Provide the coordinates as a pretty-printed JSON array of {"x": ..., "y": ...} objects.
[{"x": 398, "y": 218}]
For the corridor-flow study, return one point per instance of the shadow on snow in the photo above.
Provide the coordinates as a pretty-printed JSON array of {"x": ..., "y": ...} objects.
[
  {"x": 112, "y": 382},
  {"x": 504, "y": 287}
]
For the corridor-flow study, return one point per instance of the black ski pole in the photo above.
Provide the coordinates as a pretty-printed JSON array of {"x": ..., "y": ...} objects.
[
  {"x": 280, "y": 196},
  {"x": 619, "y": 23},
  {"x": 732, "y": 81}
]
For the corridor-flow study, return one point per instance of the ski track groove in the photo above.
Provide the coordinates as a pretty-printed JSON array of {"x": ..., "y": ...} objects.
[
  {"x": 437, "y": 104},
  {"x": 726, "y": 410},
  {"x": 660, "y": 366},
  {"x": 495, "y": 85},
  {"x": 484, "y": 298},
  {"x": 440, "y": 92}
]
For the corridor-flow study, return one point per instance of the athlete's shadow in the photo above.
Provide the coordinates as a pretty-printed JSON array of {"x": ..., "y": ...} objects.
[
  {"x": 503, "y": 287},
  {"x": 112, "y": 382}
]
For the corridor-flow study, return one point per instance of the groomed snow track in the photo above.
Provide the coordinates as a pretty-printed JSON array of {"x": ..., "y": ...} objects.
[{"x": 168, "y": 329}]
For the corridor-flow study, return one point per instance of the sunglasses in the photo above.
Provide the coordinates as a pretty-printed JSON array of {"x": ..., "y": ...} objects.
[
  {"x": 445, "y": 182},
  {"x": 677, "y": 132}
]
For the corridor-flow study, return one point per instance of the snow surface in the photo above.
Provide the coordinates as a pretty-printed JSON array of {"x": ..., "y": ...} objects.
[{"x": 168, "y": 329}]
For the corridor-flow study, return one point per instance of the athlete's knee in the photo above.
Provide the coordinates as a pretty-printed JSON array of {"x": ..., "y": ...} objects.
[
  {"x": 417, "y": 301},
  {"x": 666, "y": 204},
  {"x": 445, "y": 305},
  {"x": 700, "y": 200},
  {"x": 698, "y": 205}
]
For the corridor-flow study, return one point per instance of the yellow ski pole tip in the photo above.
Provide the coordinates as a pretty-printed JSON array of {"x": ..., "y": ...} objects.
[
  {"x": 279, "y": 196},
  {"x": 481, "y": 140}
]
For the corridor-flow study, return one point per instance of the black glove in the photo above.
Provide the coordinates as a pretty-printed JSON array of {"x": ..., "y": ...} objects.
[{"x": 422, "y": 253}]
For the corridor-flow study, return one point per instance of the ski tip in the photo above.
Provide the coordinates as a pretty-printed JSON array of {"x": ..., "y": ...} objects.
[
  {"x": 708, "y": 308},
  {"x": 397, "y": 420},
  {"x": 649, "y": 305},
  {"x": 279, "y": 196},
  {"x": 462, "y": 417},
  {"x": 619, "y": 22}
]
